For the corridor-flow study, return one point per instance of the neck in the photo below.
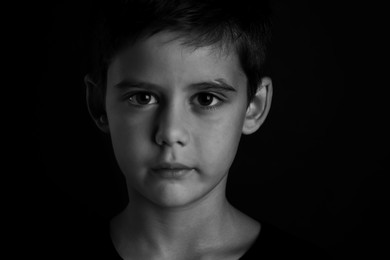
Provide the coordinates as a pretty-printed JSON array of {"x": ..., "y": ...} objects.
[{"x": 204, "y": 223}]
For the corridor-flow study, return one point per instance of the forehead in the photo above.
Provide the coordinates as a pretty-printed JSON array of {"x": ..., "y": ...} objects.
[{"x": 163, "y": 58}]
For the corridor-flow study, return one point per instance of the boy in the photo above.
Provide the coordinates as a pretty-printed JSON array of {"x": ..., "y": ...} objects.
[{"x": 176, "y": 85}]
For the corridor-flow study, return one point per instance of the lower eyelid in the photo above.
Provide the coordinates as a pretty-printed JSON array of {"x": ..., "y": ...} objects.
[
  {"x": 131, "y": 96},
  {"x": 211, "y": 107}
]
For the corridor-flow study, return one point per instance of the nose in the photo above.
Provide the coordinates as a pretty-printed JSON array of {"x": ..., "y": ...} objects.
[{"x": 171, "y": 127}]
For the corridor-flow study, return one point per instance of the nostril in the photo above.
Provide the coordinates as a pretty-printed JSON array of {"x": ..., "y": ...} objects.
[
  {"x": 171, "y": 139},
  {"x": 169, "y": 136}
]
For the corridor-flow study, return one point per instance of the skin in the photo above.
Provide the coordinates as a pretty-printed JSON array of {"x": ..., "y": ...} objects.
[{"x": 165, "y": 104}]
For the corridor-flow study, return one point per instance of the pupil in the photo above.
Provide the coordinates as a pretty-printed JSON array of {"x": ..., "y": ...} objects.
[
  {"x": 205, "y": 99},
  {"x": 143, "y": 98}
]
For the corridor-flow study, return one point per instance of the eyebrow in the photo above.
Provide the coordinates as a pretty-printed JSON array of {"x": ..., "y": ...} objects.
[{"x": 217, "y": 84}]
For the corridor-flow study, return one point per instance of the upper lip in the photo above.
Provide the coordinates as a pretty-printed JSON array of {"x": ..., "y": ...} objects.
[{"x": 171, "y": 166}]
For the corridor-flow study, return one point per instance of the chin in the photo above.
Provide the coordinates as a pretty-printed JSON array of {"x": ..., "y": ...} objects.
[{"x": 174, "y": 197}]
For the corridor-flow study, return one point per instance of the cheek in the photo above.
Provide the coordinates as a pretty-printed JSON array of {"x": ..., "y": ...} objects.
[
  {"x": 218, "y": 142},
  {"x": 130, "y": 139}
]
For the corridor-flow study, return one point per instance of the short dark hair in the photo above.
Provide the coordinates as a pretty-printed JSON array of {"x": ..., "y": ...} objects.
[{"x": 241, "y": 25}]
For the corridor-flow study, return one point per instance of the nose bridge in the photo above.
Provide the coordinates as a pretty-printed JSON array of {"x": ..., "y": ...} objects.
[{"x": 171, "y": 124}]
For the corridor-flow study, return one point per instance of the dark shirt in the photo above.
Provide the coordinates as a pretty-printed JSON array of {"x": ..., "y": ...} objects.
[{"x": 273, "y": 243}]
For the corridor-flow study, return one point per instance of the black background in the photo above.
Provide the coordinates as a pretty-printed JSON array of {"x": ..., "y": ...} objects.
[{"x": 316, "y": 168}]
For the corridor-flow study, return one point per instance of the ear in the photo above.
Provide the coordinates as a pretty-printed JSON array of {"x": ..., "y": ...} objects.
[
  {"x": 259, "y": 107},
  {"x": 95, "y": 104}
]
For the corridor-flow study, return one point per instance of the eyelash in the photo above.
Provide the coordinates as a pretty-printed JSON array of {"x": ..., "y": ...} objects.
[
  {"x": 213, "y": 96},
  {"x": 219, "y": 99},
  {"x": 132, "y": 95}
]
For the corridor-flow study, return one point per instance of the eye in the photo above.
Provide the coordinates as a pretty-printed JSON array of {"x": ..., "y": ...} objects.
[
  {"x": 207, "y": 100},
  {"x": 142, "y": 99}
]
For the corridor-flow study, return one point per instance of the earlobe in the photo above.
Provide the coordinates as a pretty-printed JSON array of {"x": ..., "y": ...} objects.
[
  {"x": 258, "y": 109},
  {"x": 95, "y": 104}
]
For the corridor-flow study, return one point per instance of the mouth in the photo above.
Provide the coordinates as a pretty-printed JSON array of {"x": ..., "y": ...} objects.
[{"x": 171, "y": 170}]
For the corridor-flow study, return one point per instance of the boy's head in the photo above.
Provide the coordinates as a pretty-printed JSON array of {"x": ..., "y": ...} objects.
[
  {"x": 177, "y": 84},
  {"x": 242, "y": 27}
]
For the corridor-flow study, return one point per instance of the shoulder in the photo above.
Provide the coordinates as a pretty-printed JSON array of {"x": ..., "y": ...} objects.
[
  {"x": 84, "y": 237},
  {"x": 274, "y": 243}
]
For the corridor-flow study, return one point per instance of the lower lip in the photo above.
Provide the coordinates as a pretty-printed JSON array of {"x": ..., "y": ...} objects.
[{"x": 172, "y": 173}]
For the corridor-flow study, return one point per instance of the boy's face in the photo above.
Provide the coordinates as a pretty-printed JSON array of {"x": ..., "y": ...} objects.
[{"x": 170, "y": 106}]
